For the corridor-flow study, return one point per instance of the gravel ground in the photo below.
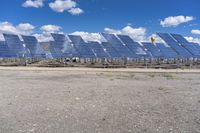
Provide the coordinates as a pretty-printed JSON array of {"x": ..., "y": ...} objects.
[{"x": 88, "y": 101}]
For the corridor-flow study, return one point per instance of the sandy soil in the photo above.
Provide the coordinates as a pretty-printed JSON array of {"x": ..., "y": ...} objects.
[{"x": 84, "y": 100}]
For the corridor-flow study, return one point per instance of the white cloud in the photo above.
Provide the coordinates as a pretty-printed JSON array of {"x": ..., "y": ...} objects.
[
  {"x": 24, "y": 28},
  {"x": 137, "y": 34},
  {"x": 197, "y": 32},
  {"x": 75, "y": 11},
  {"x": 50, "y": 28},
  {"x": 192, "y": 39},
  {"x": 174, "y": 21},
  {"x": 90, "y": 36},
  {"x": 45, "y": 36},
  {"x": 33, "y": 3},
  {"x": 65, "y": 5}
]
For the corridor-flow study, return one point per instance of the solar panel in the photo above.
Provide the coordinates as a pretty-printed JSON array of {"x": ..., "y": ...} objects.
[
  {"x": 46, "y": 48},
  {"x": 66, "y": 48},
  {"x": 55, "y": 52},
  {"x": 16, "y": 46},
  {"x": 182, "y": 52},
  {"x": 153, "y": 49},
  {"x": 98, "y": 49},
  {"x": 81, "y": 46},
  {"x": 110, "y": 50},
  {"x": 135, "y": 47},
  {"x": 179, "y": 38},
  {"x": 166, "y": 51},
  {"x": 4, "y": 51},
  {"x": 187, "y": 45},
  {"x": 123, "y": 50},
  {"x": 33, "y": 46}
]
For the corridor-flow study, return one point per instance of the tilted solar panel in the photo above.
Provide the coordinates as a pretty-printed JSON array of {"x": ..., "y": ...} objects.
[
  {"x": 98, "y": 49},
  {"x": 166, "y": 51},
  {"x": 59, "y": 37},
  {"x": 4, "y": 51},
  {"x": 33, "y": 46},
  {"x": 135, "y": 47},
  {"x": 110, "y": 50},
  {"x": 82, "y": 47},
  {"x": 153, "y": 49},
  {"x": 187, "y": 45},
  {"x": 179, "y": 38},
  {"x": 182, "y": 52},
  {"x": 123, "y": 50},
  {"x": 66, "y": 48},
  {"x": 16, "y": 46}
]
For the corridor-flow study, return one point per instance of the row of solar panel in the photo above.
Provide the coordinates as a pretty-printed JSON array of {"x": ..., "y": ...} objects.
[{"x": 117, "y": 46}]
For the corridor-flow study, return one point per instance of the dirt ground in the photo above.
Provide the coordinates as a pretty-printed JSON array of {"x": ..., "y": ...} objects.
[{"x": 78, "y": 100}]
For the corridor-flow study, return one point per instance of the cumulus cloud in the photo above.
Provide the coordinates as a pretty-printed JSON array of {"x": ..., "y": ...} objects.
[
  {"x": 137, "y": 34},
  {"x": 33, "y": 3},
  {"x": 197, "y": 32},
  {"x": 23, "y": 28},
  {"x": 75, "y": 11},
  {"x": 174, "y": 21},
  {"x": 192, "y": 39},
  {"x": 46, "y": 30},
  {"x": 28, "y": 29},
  {"x": 50, "y": 28},
  {"x": 65, "y": 5},
  {"x": 90, "y": 36}
]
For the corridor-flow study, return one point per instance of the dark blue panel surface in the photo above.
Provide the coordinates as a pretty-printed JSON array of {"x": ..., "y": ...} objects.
[
  {"x": 16, "y": 46},
  {"x": 181, "y": 51},
  {"x": 135, "y": 47},
  {"x": 98, "y": 49},
  {"x": 123, "y": 50},
  {"x": 167, "y": 52},
  {"x": 153, "y": 49},
  {"x": 33, "y": 46},
  {"x": 110, "y": 50},
  {"x": 187, "y": 45},
  {"x": 4, "y": 51},
  {"x": 82, "y": 47}
]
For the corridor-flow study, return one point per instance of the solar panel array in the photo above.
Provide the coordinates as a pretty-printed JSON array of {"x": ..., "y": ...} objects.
[
  {"x": 194, "y": 50},
  {"x": 123, "y": 50},
  {"x": 135, "y": 47},
  {"x": 181, "y": 51},
  {"x": 116, "y": 46}
]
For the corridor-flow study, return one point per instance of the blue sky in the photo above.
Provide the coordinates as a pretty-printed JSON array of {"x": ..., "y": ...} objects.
[{"x": 96, "y": 15}]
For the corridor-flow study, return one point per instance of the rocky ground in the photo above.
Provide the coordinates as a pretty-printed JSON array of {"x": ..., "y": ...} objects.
[{"x": 55, "y": 100}]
